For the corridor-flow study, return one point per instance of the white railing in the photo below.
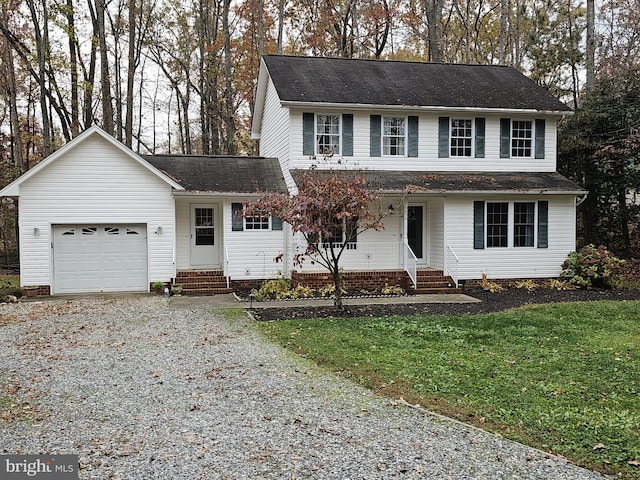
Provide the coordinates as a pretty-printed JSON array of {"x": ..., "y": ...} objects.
[
  {"x": 226, "y": 266},
  {"x": 410, "y": 263},
  {"x": 365, "y": 255},
  {"x": 451, "y": 265}
]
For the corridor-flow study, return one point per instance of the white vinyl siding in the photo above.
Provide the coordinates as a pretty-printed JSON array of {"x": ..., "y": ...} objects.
[
  {"x": 252, "y": 254},
  {"x": 94, "y": 183},
  {"x": 276, "y": 132},
  {"x": 427, "y": 159},
  {"x": 511, "y": 262}
]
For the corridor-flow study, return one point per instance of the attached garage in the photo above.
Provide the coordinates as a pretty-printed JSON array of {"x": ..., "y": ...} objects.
[{"x": 99, "y": 258}]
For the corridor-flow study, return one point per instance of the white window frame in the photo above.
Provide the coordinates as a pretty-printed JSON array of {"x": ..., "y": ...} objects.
[
  {"x": 318, "y": 134},
  {"x": 252, "y": 222},
  {"x": 511, "y": 226},
  {"x": 531, "y": 139},
  {"x": 471, "y": 138},
  {"x": 386, "y": 147}
]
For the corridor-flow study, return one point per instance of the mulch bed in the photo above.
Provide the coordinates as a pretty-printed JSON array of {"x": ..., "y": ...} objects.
[{"x": 490, "y": 302}]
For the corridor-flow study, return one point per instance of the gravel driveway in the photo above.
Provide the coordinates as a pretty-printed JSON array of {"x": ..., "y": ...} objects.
[{"x": 140, "y": 389}]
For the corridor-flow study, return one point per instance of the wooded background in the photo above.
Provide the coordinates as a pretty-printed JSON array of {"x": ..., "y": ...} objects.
[{"x": 179, "y": 77}]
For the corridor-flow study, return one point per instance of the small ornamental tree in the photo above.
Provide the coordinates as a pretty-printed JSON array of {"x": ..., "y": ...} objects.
[{"x": 330, "y": 209}]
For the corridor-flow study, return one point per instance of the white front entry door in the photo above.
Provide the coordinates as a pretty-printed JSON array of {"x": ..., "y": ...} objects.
[{"x": 205, "y": 235}]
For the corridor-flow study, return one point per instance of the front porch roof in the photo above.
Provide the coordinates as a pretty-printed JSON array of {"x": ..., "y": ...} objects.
[
  {"x": 222, "y": 174},
  {"x": 396, "y": 181}
]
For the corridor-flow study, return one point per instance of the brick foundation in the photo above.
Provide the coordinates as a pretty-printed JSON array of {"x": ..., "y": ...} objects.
[
  {"x": 37, "y": 291},
  {"x": 370, "y": 280}
]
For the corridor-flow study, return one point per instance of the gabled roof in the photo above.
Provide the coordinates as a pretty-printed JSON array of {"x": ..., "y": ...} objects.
[
  {"x": 222, "y": 174},
  {"x": 12, "y": 189},
  {"x": 476, "y": 183},
  {"x": 406, "y": 84}
]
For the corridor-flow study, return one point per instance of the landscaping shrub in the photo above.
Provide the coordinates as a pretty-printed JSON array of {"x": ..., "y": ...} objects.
[{"x": 591, "y": 266}]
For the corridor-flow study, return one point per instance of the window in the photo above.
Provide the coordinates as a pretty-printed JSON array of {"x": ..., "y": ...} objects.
[
  {"x": 461, "y": 137},
  {"x": 510, "y": 224},
  {"x": 524, "y": 224},
  {"x": 521, "y": 138},
  {"x": 345, "y": 231},
  {"x": 497, "y": 224},
  {"x": 260, "y": 222},
  {"x": 328, "y": 134},
  {"x": 394, "y": 136},
  {"x": 263, "y": 222}
]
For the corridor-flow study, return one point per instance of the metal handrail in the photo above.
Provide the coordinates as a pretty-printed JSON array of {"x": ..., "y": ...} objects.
[{"x": 450, "y": 270}]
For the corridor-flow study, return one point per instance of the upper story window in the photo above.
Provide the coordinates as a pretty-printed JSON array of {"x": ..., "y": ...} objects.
[
  {"x": 461, "y": 137},
  {"x": 327, "y": 134},
  {"x": 394, "y": 136},
  {"x": 521, "y": 138}
]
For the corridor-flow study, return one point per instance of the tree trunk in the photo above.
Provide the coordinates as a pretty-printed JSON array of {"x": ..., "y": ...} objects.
[
  {"x": 131, "y": 68},
  {"x": 41, "y": 52},
  {"x": 280, "y": 25},
  {"x": 433, "y": 11},
  {"x": 337, "y": 282},
  {"x": 230, "y": 144},
  {"x": 590, "y": 62},
  {"x": 504, "y": 22},
  {"x": 105, "y": 78},
  {"x": 14, "y": 121},
  {"x": 73, "y": 69}
]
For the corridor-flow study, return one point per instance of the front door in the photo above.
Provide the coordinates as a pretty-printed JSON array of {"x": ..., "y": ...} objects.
[
  {"x": 416, "y": 222},
  {"x": 205, "y": 244}
]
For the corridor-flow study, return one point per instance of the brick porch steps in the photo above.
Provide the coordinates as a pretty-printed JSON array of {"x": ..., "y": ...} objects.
[
  {"x": 202, "y": 282},
  {"x": 434, "y": 281}
]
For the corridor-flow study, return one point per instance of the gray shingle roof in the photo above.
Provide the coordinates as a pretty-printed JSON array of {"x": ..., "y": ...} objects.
[
  {"x": 396, "y": 83},
  {"x": 435, "y": 182},
  {"x": 221, "y": 174}
]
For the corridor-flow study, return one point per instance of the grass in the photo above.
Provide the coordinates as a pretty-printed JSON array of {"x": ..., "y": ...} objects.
[{"x": 563, "y": 378}]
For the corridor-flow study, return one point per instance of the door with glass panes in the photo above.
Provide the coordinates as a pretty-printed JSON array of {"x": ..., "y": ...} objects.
[{"x": 205, "y": 244}]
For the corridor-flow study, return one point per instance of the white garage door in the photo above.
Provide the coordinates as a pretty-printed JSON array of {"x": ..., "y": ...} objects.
[{"x": 99, "y": 258}]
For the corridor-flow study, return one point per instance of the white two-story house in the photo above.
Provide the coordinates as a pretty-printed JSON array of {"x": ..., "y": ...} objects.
[
  {"x": 478, "y": 142},
  {"x": 475, "y": 146}
]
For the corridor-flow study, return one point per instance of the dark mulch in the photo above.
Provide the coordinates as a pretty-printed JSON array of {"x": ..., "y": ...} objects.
[{"x": 491, "y": 302}]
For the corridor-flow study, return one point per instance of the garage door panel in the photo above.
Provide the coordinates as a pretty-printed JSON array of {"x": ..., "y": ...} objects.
[{"x": 100, "y": 258}]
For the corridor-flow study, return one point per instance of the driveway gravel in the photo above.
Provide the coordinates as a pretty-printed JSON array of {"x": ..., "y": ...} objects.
[{"x": 143, "y": 389}]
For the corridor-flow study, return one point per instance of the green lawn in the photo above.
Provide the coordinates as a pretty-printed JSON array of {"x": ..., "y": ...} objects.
[{"x": 564, "y": 378}]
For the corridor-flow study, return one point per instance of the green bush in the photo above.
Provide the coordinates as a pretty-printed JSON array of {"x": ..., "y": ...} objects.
[
  {"x": 591, "y": 266},
  {"x": 281, "y": 288}
]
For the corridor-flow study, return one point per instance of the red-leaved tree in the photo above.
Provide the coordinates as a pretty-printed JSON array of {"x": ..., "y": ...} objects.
[{"x": 330, "y": 209}]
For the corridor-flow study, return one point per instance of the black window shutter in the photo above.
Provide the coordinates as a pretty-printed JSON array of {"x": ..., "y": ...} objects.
[
  {"x": 347, "y": 134},
  {"x": 478, "y": 225},
  {"x": 480, "y": 128},
  {"x": 543, "y": 224},
  {"x": 505, "y": 138},
  {"x": 412, "y": 151},
  {"x": 443, "y": 137},
  {"x": 237, "y": 224},
  {"x": 308, "y": 134},
  {"x": 276, "y": 223},
  {"x": 540, "y": 125},
  {"x": 375, "y": 126}
]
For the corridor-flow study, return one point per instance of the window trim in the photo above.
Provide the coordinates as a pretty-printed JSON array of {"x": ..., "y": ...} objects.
[
  {"x": 384, "y": 137},
  {"x": 316, "y": 134},
  {"x": 253, "y": 222},
  {"x": 472, "y": 138}
]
